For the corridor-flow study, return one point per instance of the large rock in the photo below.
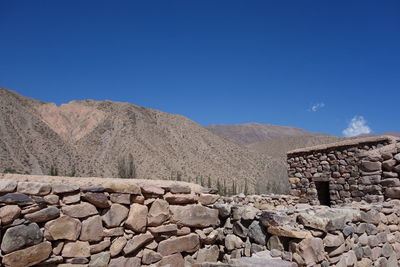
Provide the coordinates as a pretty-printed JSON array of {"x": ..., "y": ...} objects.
[
  {"x": 257, "y": 233},
  {"x": 92, "y": 229},
  {"x": 311, "y": 250},
  {"x": 166, "y": 228},
  {"x": 121, "y": 198},
  {"x": 64, "y": 227},
  {"x": 117, "y": 245},
  {"x": 194, "y": 216},
  {"x": 28, "y": 256},
  {"x": 20, "y": 236},
  {"x": 208, "y": 199},
  {"x": 224, "y": 210},
  {"x": 288, "y": 231},
  {"x": 100, "y": 259},
  {"x": 371, "y": 166},
  {"x": 115, "y": 215},
  {"x": 33, "y": 188},
  {"x": 125, "y": 262},
  {"x": 152, "y": 190},
  {"x": 81, "y": 210},
  {"x": 16, "y": 198},
  {"x": 331, "y": 240},
  {"x": 137, "y": 242},
  {"x": 180, "y": 189},
  {"x": 313, "y": 221},
  {"x": 233, "y": 242},
  {"x": 137, "y": 218},
  {"x": 187, "y": 243},
  {"x": 7, "y": 186},
  {"x": 116, "y": 187},
  {"x": 175, "y": 260},
  {"x": 249, "y": 213},
  {"x": 392, "y": 192},
  {"x": 100, "y": 200},
  {"x": 43, "y": 215},
  {"x": 158, "y": 213},
  {"x": 150, "y": 256},
  {"x": 9, "y": 213},
  {"x": 255, "y": 262},
  {"x": 210, "y": 254},
  {"x": 78, "y": 249},
  {"x": 272, "y": 218}
]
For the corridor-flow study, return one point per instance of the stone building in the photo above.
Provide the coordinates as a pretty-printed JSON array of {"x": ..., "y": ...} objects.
[{"x": 353, "y": 170}]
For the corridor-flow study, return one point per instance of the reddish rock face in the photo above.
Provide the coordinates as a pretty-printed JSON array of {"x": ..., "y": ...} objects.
[{"x": 188, "y": 243}]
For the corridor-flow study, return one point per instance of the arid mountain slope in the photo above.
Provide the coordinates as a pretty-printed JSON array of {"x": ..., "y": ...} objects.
[
  {"x": 254, "y": 132},
  {"x": 110, "y": 139}
]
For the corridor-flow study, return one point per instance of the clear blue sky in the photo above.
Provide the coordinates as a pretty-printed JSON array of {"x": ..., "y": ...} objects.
[{"x": 213, "y": 61}]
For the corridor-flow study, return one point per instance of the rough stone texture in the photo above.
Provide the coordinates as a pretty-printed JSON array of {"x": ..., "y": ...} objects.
[
  {"x": 137, "y": 242},
  {"x": 311, "y": 250},
  {"x": 28, "y": 256},
  {"x": 180, "y": 189},
  {"x": 116, "y": 187},
  {"x": 117, "y": 245},
  {"x": 100, "y": 200},
  {"x": 208, "y": 199},
  {"x": 194, "y": 216},
  {"x": 33, "y": 188},
  {"x": 233, "y": 242},
  {"x": 121, "y": 198},
  {"x": 64, "y": 188},
  {"x": 100, "y": 259},
  {"x": 16, "y": 198},
  {"x": 43, "y": 215},
  {"x": 78, "y": 249},
  {"x": 20, "y": 236},
  {"x": 115, "y": 215},
  {"x": 64, "y": 227},
  {"x": 150, "y": 256},
  {"x": 81, "y": 210},
  {"x": 92, "y": 229},
  {"x": 180, "y": 198},
  {"x": 158, "y": 213},
  {"x": 188, "y": 243},
  {"x": 7, "y": 186},
  {"x": 9, "y": 213},
  {"x": 137, "y": 218},
  {"x": 125, "y": 262}
]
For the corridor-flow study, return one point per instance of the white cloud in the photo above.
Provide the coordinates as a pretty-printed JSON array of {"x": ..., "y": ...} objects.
[
  {"x": 357, "y": 125},
  {"x": 317, "y": 106}
]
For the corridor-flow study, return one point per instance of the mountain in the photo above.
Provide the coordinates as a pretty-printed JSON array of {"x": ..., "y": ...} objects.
[
  {"x": 112, "y": 139},
  {"x": 254, "y": 132}
]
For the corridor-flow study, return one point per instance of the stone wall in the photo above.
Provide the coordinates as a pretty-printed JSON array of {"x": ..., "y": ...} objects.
[
  {"x": 119, "y": 223},
  {"x": 360, "y": 169}
]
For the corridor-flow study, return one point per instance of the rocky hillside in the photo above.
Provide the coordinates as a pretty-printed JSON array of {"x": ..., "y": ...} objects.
[
  {"x": 249, "y": 133},
  {"x": 110, "y": 139}
]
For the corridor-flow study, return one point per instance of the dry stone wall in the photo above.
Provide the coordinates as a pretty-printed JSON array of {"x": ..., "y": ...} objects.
[
  {"x": 361, "y": 169},
  {"x": 123, "y": 224}
]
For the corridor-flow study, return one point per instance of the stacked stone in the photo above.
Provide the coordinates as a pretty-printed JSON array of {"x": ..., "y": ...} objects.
[
  {"x": 351, "y": 176},
  {"x": 109, "y": 225}
]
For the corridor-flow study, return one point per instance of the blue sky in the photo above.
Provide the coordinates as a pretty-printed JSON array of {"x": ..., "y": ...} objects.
[{"x": 213, "y": 61}]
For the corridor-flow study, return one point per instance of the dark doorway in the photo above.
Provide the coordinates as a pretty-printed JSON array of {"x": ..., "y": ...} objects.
[{"x": 323, "y": 193}]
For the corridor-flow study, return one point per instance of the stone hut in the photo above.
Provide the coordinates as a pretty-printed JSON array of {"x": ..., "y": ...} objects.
[{"x": 352, "y": 170}]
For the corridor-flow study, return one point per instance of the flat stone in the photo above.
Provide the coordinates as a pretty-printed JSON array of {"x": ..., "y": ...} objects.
[
  {"x": 43, "y": 215},
  {"x": 311, "y": 250},
  {"x": 33, "y": 188},
  {"x": 152, "y": 190},
  {"x": 210, "y": 254},
  {"x": 274, "y": 242},
  {"x": 52, "y": 199},
  {"x": 114, "y": 187},
  {"x": 208, "y": 199},
  {"x": 240, "y": 230},
  {"x": 117, "y": 231},
  {"x": 137, "y": 218},
  {"x": 100, "y": 200},
  {"x": 158, "y": 213},
  {"x": 71, "y": 198},
  {"x": 117, "y": 245},
  {"x": 331, "y": 240},
  {"x": 180, "y": 198},
  {"x": 174, "y": 260},
  {"x": 289, "y": 232},
  {"x": 125, "y": 262},
  {"x": 137, "y": 242},
  {"x": 392, "y": 192},
  {"x": 115, "y": 215},
  {"x": 150, "y": 256},
  {"x": 180, "y": 189},
  {"x": 92, "y": 189},
  {"x": 64, "y": 188},
  {"x": 272, "y": 218},
  {"x": 388, "y": 165},
  {"x": 81, "y": 210},
  {"x": 16, "y": 198},
  {"x": 313, "y": 221},
  {"x": 78, "y": 249},
  {"x": 249, "y": 213},
  {"x": 92, "y": 229},
  {"x": 391, "y": 182},
  {"x": 188, "y": 243},
  {"x": 224, "y": 210},
  {"x": 120, "y": 198},
  {"x": 64, "y": 227},
  {"x": 20, "y": 236},
  {"x": 194, "y": 216},
  {"x": 9, "y": 213},
  {"x": 7, "y": 186},
  {"x": 28, "y": 256},
  {"x": 167, "y": 228},
  {"x": 100, "y": 259}
]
